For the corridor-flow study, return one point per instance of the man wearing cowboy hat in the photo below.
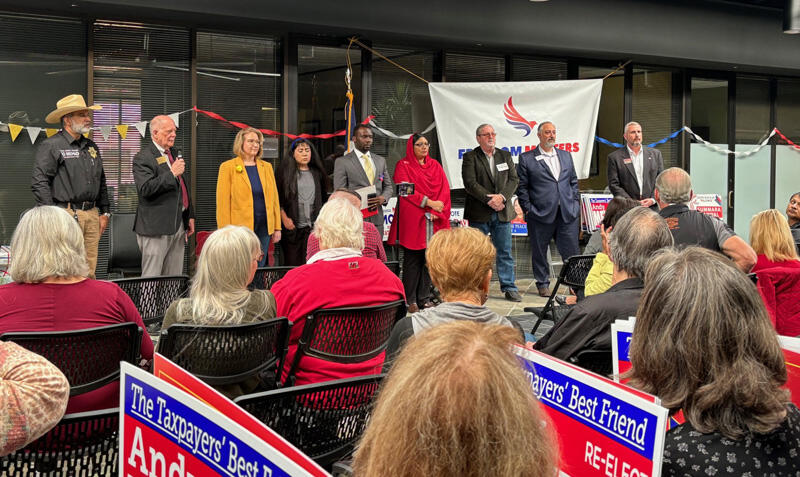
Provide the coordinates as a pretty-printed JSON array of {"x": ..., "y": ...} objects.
[{"x": 68, "y": 172}]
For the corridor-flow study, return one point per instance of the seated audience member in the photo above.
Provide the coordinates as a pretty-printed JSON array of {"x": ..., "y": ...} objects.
[
  {"x": 637, "y": 236},
  {"x": 460, "y": 263},
  {"x": 690, "y": 227},
  {"x": 599, "y": 278},
  {"x": 457, "y": 403},
  {"x": 336, "y": 276},
  {"x": 373, "y": 242},
  {"x": 703, "y": 343},
  {"x": 52, "y": 292},
  {"x": 219, "y": 294},
  {"x": 793, "y": 213},
  {"x": 778, "y": 270},
  {"x": 33, "y": 396}
]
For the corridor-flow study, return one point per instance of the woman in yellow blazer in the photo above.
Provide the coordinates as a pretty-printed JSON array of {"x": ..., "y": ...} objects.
[{"x": 246, "y": 191}]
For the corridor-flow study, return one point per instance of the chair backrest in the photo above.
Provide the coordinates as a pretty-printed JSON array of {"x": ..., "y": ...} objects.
[
  {"x": 347, "y": 335},
  {"x": 575, "y": 270},
  {"x": 227, "y": 354},
  {"x": 88, "y": 358},
  {"x": 265, "y": 277},
  {"x": 394, "y": 266},
  {"x": 124, "y": 256},
  {"x": 597, "y": 361},
  {"x": 80, "y": 445},
  {"x": 323, "y": 420},
  {"x": 153, "y": 295}
]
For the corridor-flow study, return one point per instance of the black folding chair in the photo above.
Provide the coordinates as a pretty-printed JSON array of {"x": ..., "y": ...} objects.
[
  {"x": 88, "y": 358},
  {"x": 323, "y": 420},
  {"x": 222, "y": 355},
  {"x": 573, "y": 274},
  {"x": 124, "y": 256},
  {"x": 347, "y": 335},
  {"x": 265, "y": 277},
  {"x": 394, "y": 266},
  {"x": 596, "y": 361},
  {"x": 153, "y": 295},
  {"x": 80, "y": 445}
]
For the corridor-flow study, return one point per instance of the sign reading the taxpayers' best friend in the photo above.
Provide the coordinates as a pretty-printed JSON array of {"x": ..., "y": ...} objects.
[
  {"x": 603, "y": 428},
  {"x": 166, "y": 432}
]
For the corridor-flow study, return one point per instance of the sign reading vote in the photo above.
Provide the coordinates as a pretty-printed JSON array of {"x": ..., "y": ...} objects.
[
  {"x": 167, "y": 432},
  {"x": 604, "y": 429}
]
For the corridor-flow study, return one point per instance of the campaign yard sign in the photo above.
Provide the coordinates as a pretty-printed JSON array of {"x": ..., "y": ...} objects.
[
  {"x": 593, "y": 209},
  {"x": 165, "y": 432},
  {"x": 791, "y": 354},
  {"x": 603, "y": 428},
  {"x": 621, "y": 333}
]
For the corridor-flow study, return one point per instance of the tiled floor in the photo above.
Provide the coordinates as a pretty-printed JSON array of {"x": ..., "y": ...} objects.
[{"x": 501, "y": 306}]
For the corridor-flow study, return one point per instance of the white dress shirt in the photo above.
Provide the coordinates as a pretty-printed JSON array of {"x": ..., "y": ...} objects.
[
  {"x": 362, "y": 160},
  {"x": 551, "y": 158},
  {"x": 638, "y": 165}
]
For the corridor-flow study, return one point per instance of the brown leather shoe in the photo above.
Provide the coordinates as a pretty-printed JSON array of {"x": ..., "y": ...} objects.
[
  {"x": 413, "y": 308},
  {"x": 544, "y": 291}
]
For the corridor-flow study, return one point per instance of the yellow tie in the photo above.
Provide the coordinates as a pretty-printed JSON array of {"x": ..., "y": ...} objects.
[{"x": 368, "y": 169}]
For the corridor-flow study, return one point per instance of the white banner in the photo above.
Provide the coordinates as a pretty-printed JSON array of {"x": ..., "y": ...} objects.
[{"x": 515, "y": 109}]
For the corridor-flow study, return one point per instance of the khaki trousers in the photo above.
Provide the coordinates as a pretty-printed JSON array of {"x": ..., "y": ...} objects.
[{"x": 89, "y": 221}]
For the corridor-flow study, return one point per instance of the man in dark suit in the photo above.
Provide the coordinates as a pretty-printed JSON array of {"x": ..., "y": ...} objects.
[
  {"x": 548, "y": 194},
  {"x": 490, "y": 179},
  {"x": 360, "y": 168},
  {"x": 164, "y": 217},
  {"x": 632, "y": 170}
]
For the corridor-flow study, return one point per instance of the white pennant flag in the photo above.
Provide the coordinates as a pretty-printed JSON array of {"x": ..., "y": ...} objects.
[
  {"x": 141, "y": 126},
  {"x": 33, "y": 132},
  {"x": 105, "y": 131},
  {"x": 174, "y": 118}
]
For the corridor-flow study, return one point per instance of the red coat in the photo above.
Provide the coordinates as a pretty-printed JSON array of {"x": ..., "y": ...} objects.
[
  {"x": 779, "y": 287},
  {"x": 337, "y": 283}
]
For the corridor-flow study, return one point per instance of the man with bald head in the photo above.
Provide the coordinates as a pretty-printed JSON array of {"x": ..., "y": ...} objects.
[
  {"x": 632, "y": 169},
  {"x": 164, "y": 216},
  {"x": 673, "y": 191}
]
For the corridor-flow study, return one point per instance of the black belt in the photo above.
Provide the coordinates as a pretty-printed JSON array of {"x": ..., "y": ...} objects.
[{"x": 77, "y": 205}]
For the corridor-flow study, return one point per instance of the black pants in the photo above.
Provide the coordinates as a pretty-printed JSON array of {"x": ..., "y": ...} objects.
[
  {"x": 293, "y": 245},
  {"x": 416, "y": 280}
]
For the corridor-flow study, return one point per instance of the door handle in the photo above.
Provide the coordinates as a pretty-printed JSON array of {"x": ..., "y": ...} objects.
[{"x": 730, "y": 199}]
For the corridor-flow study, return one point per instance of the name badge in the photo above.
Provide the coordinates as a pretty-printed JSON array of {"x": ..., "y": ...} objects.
[
  {"x": 502, "y": 167},
  {"x": 70, "y": 153},
  {"x": 161, "y": 160},
  {"x": 627, "y": 161},
  {"x": 541, "y": 157}
]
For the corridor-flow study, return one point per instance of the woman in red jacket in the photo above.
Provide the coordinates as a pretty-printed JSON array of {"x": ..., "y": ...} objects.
[{"x": 418, "y": 217}]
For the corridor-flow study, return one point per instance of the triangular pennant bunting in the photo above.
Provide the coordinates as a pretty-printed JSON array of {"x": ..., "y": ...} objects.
[
  {"x": 33, "y": 133},
  {"x": 122, "y": 129},
  {"x": 50, "y": 131},
  {"x": 174, "y": 118},
  {"x": 105, "y": 131},
  {"x": 14, "y": 129},
  {"x": 141, "y": 126},
  {"x": 86, "y": 135}
]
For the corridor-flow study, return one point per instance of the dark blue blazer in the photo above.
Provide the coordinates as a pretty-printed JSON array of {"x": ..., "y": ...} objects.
[{"x": 540, "y": 194}]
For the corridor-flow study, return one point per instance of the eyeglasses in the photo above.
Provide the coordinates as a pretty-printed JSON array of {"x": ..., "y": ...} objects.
[
  {"x": 260, "y": 257},
  {"x": 424, "y": 144},
  {"x": 488, "y": 134}
]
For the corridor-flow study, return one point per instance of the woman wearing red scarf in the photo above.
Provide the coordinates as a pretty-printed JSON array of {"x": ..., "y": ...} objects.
[{"x": 420, "y": 215}]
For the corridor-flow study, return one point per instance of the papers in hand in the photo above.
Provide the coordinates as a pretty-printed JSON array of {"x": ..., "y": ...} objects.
[{"x": 364, "y": 192}]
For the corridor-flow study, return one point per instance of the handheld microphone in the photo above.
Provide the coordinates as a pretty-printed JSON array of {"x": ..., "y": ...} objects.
[{"x": 180, "y": 154}]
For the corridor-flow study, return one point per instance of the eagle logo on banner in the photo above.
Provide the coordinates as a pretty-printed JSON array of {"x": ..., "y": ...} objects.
[{"x": 515, "y": 119}]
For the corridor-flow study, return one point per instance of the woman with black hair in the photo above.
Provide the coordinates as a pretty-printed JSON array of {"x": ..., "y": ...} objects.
[{"x": 302, "y": 185}]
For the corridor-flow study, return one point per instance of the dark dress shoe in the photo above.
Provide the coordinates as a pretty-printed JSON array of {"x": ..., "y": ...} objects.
[
  {"x": 544, "y": 291},
  {"x": 513, "y": 295}
]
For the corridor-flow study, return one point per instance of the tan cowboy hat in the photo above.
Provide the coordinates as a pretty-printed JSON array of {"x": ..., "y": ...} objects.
[{"x": 69, "y": 104}]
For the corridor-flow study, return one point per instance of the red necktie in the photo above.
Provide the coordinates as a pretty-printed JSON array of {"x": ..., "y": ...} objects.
[{"x": 184, "y": 194}]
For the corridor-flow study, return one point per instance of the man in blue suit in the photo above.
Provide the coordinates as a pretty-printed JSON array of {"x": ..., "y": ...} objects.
[{"x": 548, "y": 194}]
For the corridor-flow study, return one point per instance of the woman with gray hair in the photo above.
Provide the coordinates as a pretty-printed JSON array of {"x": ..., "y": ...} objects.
[
  {"x": 52, "y": 291},
  {"x": 219, "y": 294},
  {"x": 704, "y": 344},
  {"x": 336, "y": 276}
]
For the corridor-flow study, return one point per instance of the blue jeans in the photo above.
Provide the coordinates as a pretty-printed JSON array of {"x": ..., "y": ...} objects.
[
  {"x": 263, "y": 237},
  {"x": 500, "y": 233}
]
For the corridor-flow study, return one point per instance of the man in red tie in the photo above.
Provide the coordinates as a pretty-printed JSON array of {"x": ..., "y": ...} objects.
[{"x": 164, "y": 216}]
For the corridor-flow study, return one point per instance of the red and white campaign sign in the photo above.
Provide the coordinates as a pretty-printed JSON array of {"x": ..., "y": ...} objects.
[
  {"x": 593, "y": 209},
  {"x": 603, "y": 427},
  {"x": 165, "y": 431},
  {"x": 710, "y": 204},
  {"x": 791, "y": 353}
]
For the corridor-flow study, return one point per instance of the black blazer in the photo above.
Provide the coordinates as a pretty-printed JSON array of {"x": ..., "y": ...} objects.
[
  {"x": 160, "y": 210},
  {"x": 622, "y": 176},
  {"x": 478, "y": 182}
]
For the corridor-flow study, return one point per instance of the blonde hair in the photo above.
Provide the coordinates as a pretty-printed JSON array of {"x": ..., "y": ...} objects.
[
  {"x": 219, "y": 294},
  {"x": 456, "y": 403},
  {"x": 703, "y": 343},
  {"x": 459, "y": 259},
  {"x": 238, "y": 142},
  {"x": 770, "y": 236},
  {"x": 48, "y": 242},
  {"x": 339, "y": 224}
]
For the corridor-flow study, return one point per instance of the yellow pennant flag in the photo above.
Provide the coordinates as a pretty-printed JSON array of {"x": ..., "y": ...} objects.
[
  {"x": 122, "y": 129},
  {"x": 86, "y": 135},
  {"x": 14, "y": 129},
  {"x": 50, "y": 131}
]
